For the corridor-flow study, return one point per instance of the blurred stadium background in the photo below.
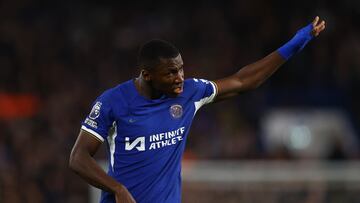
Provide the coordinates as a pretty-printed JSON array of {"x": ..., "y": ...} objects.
[{"x": 295, "y": 139}]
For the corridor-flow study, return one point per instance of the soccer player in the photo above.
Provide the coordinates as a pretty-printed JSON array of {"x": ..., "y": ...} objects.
[{"x": 145, "y": 121}]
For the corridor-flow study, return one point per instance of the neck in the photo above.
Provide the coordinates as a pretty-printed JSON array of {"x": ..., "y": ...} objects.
[{"x": 145, "y": 89}]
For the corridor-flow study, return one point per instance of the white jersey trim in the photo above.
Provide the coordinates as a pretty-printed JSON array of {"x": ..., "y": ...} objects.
[
  {"x": 112, "y": 145},
  {"x": 214, "y": 85},
  {"x": 206, "y": 100},
  {"x": 97, "y": 135}
]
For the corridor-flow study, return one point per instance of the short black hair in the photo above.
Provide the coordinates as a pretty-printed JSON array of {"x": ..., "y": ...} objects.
[{"x": 151, "y": 52}]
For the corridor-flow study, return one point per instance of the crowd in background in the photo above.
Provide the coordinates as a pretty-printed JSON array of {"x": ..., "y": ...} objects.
[{"x": 65, "y": 53}]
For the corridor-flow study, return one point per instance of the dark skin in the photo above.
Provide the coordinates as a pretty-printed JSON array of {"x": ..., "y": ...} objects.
[{"x": 167, "y": 78}]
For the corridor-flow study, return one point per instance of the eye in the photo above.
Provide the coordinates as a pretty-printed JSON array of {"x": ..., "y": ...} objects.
[{"x": 172, "y": 71}]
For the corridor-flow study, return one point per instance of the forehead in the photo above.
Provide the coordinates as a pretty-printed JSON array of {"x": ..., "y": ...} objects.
[{"x": 166, "y": 63}]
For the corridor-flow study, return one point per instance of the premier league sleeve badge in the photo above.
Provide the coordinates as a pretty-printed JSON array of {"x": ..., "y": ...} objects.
[{"x": 95, "y": 111}]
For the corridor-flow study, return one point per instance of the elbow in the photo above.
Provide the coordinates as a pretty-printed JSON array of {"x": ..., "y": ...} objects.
[
  {"x": 250, "y": 83},
  {"x": 256, "y": 82},
  {"x": 253, "y": 85},
  {"x": 74, "y": 161}
]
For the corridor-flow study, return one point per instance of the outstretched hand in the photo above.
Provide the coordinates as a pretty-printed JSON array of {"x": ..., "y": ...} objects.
[{"x": 317, "y": 26}]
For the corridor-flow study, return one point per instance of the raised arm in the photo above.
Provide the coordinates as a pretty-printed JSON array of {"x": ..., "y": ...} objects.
[
  {"x": 82, "y": 162},
  {"x": 253, "y": 75}
]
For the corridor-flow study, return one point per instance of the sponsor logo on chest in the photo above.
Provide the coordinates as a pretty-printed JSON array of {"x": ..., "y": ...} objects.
[{"x": 155, "y": 141}]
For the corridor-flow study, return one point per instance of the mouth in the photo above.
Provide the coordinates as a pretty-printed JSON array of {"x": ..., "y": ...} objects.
[{"x": 178, "y": 89}]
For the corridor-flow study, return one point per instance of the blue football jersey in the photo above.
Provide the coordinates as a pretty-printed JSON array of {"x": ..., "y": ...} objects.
[{"x": 146, "y": 137}]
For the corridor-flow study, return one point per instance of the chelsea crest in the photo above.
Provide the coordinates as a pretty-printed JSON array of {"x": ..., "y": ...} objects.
[{"x": 176, "y": 110}]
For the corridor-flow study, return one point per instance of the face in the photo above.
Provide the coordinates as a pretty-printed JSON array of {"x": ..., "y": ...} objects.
[{"x": 168, "y": 76}]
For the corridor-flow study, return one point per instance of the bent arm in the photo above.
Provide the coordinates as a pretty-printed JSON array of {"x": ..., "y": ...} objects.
[
  {"x": 253, "y": 75},
  {"x": 82, "y": 162}
]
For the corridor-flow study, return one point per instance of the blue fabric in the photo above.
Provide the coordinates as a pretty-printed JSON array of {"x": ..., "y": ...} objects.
[
  {"x": 297, "y": 43},
  {"x": 146, "y": 138}
]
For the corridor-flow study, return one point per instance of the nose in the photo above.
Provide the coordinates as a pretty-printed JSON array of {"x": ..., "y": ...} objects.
[{"x": 179, "y": 77}]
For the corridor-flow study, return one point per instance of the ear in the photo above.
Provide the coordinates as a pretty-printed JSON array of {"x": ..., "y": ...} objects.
[{"x": 145, "y": 75}]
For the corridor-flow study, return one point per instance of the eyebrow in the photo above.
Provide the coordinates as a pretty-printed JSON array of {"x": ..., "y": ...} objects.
[
  {"x": 171, "y": 69},
  {"x": 175, "y": 68}
]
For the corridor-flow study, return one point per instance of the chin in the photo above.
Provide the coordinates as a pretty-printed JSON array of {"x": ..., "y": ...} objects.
[
  {"x": 174, "y": 94},
  {"x": 178, "y": 92}
]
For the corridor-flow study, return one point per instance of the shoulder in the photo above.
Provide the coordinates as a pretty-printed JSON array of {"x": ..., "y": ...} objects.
[
  {"x": 193, "y": 82},
  {"x": 190, "y": 86},
  {"x": 198, "y": 89},
  {"x": 119, "y": 94},
  {"x": 196, "y": 84}
]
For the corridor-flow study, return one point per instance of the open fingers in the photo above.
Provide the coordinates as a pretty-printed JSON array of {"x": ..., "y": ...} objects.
[
  {"x": 321, "y": 26},
  {"x": 318, "y": 28},
  {"x": 315, "y": 21}
]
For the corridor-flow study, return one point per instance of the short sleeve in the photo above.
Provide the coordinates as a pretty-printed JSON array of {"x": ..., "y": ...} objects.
[
  {"x": 99, "y": 120},
  {"x": 205, "y": 92}
]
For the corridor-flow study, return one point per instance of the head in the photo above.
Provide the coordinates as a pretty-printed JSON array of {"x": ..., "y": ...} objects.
[{"x": 162, "y": 67}]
